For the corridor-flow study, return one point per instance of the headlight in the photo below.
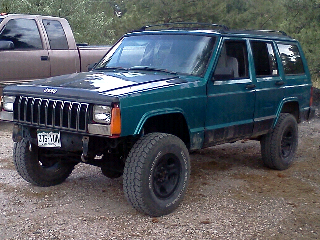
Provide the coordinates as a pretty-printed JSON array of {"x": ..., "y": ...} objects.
[
  {"x": 8, "y": 103},
  {"x": 102, "y": 114}
]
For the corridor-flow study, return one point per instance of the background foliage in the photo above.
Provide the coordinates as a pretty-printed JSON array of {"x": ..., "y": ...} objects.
[{"x": 104, "y": 21}]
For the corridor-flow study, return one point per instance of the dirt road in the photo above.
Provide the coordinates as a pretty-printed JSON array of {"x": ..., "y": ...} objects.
[{"x": 231, "y": 196}]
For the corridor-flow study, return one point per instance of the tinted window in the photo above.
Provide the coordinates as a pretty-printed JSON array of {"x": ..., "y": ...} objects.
[
  {"x": 1, "y": 20},
  {"x": 264, "y": 59},
  {"x": 23, "y": 33},
  {"x": 291, "y": 59},
  {"x": 56, "y": 34},
  {"x": 233, "y": 61}
]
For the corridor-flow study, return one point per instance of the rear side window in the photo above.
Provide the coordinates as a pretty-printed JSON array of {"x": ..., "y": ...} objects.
[
  {"x": 56, "y": 35},
  {"x": 291, "y": 59},
  {"x": 23, "y": 33},
  {"x": 264, "y": 59}
]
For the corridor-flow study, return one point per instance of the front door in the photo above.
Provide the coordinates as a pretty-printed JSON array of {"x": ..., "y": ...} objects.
[
  {"x": 29, "y": 59},
  {"x": 231, "y": 96}
]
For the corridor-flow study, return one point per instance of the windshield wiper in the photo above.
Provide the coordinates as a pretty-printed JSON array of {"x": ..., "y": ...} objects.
[
  {"x": 146, "y": 68},
  {"x": 113, "y": 68}
]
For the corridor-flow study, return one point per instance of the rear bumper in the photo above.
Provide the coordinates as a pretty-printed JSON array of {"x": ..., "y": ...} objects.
[{"x": 307, "y": 114}]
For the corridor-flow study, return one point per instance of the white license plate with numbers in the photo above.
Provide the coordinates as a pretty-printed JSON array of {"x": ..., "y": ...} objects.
[{"x": 48, "y": 138}]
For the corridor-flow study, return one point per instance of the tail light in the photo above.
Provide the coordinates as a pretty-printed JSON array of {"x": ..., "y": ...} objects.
[{"x": 311, "y": 97}]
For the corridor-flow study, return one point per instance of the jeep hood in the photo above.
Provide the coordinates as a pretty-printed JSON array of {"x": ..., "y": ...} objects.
[{"x": 101, "y": 85}]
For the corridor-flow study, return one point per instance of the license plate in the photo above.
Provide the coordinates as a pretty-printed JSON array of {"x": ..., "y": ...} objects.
[{"x": 48, "y": 138}]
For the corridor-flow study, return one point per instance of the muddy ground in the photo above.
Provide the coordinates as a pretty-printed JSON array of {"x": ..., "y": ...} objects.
[{"x": 231, "y": 196}]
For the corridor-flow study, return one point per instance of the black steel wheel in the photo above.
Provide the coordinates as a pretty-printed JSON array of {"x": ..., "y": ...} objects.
[{"x": 166, "y": 176}]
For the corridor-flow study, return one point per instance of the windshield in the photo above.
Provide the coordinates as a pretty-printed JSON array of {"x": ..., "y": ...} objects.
[{"x": 186, "y": 54}]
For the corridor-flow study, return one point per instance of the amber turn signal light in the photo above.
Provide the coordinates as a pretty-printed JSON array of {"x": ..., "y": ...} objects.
[{"x": 115, "y": 121}]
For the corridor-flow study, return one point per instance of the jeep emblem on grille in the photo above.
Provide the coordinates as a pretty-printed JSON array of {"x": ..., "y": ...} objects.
[{"x": 50, "y": 90}]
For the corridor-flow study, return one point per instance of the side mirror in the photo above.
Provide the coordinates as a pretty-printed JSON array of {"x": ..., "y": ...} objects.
[
  {"x": 91, "y": 66},
  {"x": 6, "y": 45}
]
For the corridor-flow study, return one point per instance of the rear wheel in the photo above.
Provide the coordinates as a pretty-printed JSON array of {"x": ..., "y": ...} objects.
[
  {"x": 156, "y": 174},
  {"x": 36, "y": 167},
  {"x": 278, "y": 147}
]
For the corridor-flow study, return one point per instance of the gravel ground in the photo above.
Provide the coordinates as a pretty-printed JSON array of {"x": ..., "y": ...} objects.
[{"x": 231, "y": 196}]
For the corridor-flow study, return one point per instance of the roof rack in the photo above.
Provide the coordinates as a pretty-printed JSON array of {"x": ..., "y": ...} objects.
[
  {"x": 273, "y": 31},
  {"x": 184, "y": 24}
]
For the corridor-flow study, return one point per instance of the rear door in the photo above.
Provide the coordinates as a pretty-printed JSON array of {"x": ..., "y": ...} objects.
[
  {"x": 29, "y": 58},
  {"x": 231, "y": 95},
  {"x": 64, "y": 56},
  {"x": 269, "y": 84}
]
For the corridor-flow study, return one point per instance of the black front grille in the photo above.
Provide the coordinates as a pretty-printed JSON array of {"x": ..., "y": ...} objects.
[{"x": 51, "y": 113}]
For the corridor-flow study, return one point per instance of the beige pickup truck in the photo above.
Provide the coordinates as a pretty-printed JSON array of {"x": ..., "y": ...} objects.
[{"x": 33, "y": 46}]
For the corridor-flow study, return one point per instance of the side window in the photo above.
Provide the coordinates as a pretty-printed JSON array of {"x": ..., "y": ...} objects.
[
  {"x": 23, "y": 33},
  {"x": 291, "y": 59},
  {"x": 264, "y": 59},
  {"x": 56, "y": 35},
  {"x": 233, "y": 61}
]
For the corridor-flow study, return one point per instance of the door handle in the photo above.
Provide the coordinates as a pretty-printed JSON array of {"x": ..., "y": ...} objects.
[
  {"x": 250, "y": 86},
  {"x": 44, "y": 58},
  {"x": 279, "y": 83}
]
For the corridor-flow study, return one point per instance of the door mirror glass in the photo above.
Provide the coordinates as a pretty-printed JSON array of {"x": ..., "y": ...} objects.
[{"x": 6, "y": 45}]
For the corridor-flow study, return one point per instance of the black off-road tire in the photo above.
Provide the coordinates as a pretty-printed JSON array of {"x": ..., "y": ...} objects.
[
  {"x": 278, "y": 147},
  {"x": 156, "y": 174},
  {"x": 33, "y": 168}
]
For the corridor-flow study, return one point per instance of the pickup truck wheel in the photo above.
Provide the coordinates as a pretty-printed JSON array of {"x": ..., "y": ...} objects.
[
  {"x": 112, "y": 166},
  {"x": 37, "y": 169},
  {"x": 156, "y": 174},
  {"x": 278, "y": 147},
  {"x": 109, "y": 173}
]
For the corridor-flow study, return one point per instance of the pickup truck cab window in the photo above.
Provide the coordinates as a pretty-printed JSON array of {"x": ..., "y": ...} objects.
[
  {"x": 56, "y": 35},
  {"x": 264, "y": 58},
  {"x": 291, "y": 59},
  {"x": 23, "y": 33},
  {"x": 186, "y": 54}
]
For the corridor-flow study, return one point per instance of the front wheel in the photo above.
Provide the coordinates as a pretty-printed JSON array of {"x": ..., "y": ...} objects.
[
  {"x": 35, "y": 166},
  {"x": 278, "y": 147},
  {"x": 156, "y": 174}
]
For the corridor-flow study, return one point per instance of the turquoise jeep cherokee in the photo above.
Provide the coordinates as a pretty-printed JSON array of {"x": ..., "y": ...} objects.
[{"x": 156, "y": 95}]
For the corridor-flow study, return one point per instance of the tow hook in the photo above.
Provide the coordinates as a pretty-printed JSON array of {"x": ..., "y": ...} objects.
[{"x": 85, "y": 148}]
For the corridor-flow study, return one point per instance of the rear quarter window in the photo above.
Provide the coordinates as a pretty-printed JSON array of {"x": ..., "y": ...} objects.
[{"x": 291, "y": 59}]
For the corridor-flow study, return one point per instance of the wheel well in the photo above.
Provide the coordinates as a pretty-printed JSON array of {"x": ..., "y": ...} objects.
[
  {"x": 174, "y": 124},
  {"x": 292, "y": 108}
]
